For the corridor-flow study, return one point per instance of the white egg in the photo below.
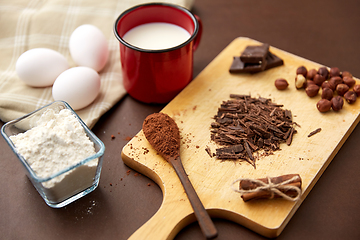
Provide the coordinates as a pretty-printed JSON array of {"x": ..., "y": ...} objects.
[
  {"x": 89, "y": 47},
  {"x": 78, "y": 86},
  {"x": 39, "y": 67}
]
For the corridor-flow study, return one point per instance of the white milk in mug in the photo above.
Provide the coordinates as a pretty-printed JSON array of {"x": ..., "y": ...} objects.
[{"x": 156, "y": 36}]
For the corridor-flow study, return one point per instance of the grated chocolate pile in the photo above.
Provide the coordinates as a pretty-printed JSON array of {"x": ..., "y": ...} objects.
[{"x": 244, "y": 125}]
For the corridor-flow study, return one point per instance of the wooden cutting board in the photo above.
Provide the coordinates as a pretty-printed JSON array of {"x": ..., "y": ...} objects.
[{"x": 193, "y": 110}]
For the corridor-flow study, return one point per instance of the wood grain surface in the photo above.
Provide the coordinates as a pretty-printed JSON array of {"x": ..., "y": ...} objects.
[{"x": 193, "y": 110}]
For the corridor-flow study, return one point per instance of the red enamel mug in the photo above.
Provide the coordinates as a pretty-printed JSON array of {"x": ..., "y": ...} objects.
[{"x": 157, "y": 76}]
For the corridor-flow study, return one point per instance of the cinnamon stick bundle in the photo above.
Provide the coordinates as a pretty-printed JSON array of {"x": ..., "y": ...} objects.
[{"x": 285, "y": 186}]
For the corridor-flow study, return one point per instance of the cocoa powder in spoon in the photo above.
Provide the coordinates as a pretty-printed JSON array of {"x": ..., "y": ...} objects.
[{"x": 163, "y": 134}]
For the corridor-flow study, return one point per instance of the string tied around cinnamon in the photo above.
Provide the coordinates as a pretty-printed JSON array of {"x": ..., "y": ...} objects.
[{"x": 270, "y": 189}]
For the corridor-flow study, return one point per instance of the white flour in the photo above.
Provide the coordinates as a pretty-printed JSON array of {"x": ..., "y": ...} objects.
[{"x": 57, "y": 142}]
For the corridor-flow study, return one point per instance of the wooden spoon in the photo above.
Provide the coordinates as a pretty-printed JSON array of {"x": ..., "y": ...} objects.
[{"x": 164, "y": 136}]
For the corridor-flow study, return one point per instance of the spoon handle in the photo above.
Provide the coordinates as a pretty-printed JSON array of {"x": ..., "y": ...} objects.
[{"x": 205, "y": 222}]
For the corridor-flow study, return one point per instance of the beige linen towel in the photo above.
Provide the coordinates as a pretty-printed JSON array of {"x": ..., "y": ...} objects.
[{"x": 28, "y": 24}]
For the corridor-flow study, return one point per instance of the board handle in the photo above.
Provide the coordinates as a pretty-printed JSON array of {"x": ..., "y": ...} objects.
[{"x": 165, "y": 223}]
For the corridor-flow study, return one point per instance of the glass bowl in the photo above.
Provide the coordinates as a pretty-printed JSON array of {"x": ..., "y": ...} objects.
[{"x": 70, "y": 183}]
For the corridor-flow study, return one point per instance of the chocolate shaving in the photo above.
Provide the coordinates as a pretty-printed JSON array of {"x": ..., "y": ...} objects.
[
  {"x": 208, "y": 150},
  {"x": 314, "y": 132},
  {"x": 289, "y": 139},
  {"x": 244, "y": 125}
]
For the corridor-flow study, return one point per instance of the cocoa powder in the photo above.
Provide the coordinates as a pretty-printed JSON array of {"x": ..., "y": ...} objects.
[{"x": 163, "y": 134}]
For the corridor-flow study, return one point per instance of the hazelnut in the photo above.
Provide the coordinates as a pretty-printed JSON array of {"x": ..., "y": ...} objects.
[
  {"x": 301, "y": 70},
  {"x": 319, "y": 79},
  {"x": 356, "y": 89},
  {"x": 326, "y": 84},
  {"x": 346, "y": 74},
  {"x": 281, "y": 84},
  {"x": 308, "y": 83},
  {"x": 311, "y": 74},
  {"x": 349, "y": 81},
  {"x": 323, "y": 105},
  {"x": 334, "y": 81},
  {"x": 327, "y": 93},
  {"x": 350, "y": 97},
  {"x": 312, "y": 90},
  {"x": 341, "y": 89},
  {"x": 323, "y": 71},
  {"x": 332, "y": 85},
  {"x": 337, "y": 103},
  {"x": 334, "y": 71},
  {"x": 300, "y": 81}
]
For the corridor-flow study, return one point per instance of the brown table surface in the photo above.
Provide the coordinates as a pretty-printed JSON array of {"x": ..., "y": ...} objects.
[{"x": 327, "y": 32}]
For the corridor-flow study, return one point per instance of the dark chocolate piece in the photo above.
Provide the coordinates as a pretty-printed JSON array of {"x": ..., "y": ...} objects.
[
  {"x": 273, "y": 61},
  {"x": 255, "y": 54},
  {"x": 238, "y": 66}
]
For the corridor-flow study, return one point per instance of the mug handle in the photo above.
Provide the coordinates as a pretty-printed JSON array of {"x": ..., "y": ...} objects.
[{"x": 198, "y": 35}]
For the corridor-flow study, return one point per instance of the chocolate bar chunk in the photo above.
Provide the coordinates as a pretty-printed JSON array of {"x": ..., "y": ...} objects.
[
  {"x": 255, "y": 54},
  {"x": 238, "y": 66},
  {"x": 271, "y": 61}
]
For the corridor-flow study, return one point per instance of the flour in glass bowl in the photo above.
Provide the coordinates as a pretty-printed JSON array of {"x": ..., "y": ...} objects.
[{"x": 57, "y": 142}]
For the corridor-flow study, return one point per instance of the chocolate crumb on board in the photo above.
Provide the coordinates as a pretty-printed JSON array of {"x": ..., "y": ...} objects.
[
  {"x": 314, "y": 132},
  {"x": 244, "y": 125}
]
